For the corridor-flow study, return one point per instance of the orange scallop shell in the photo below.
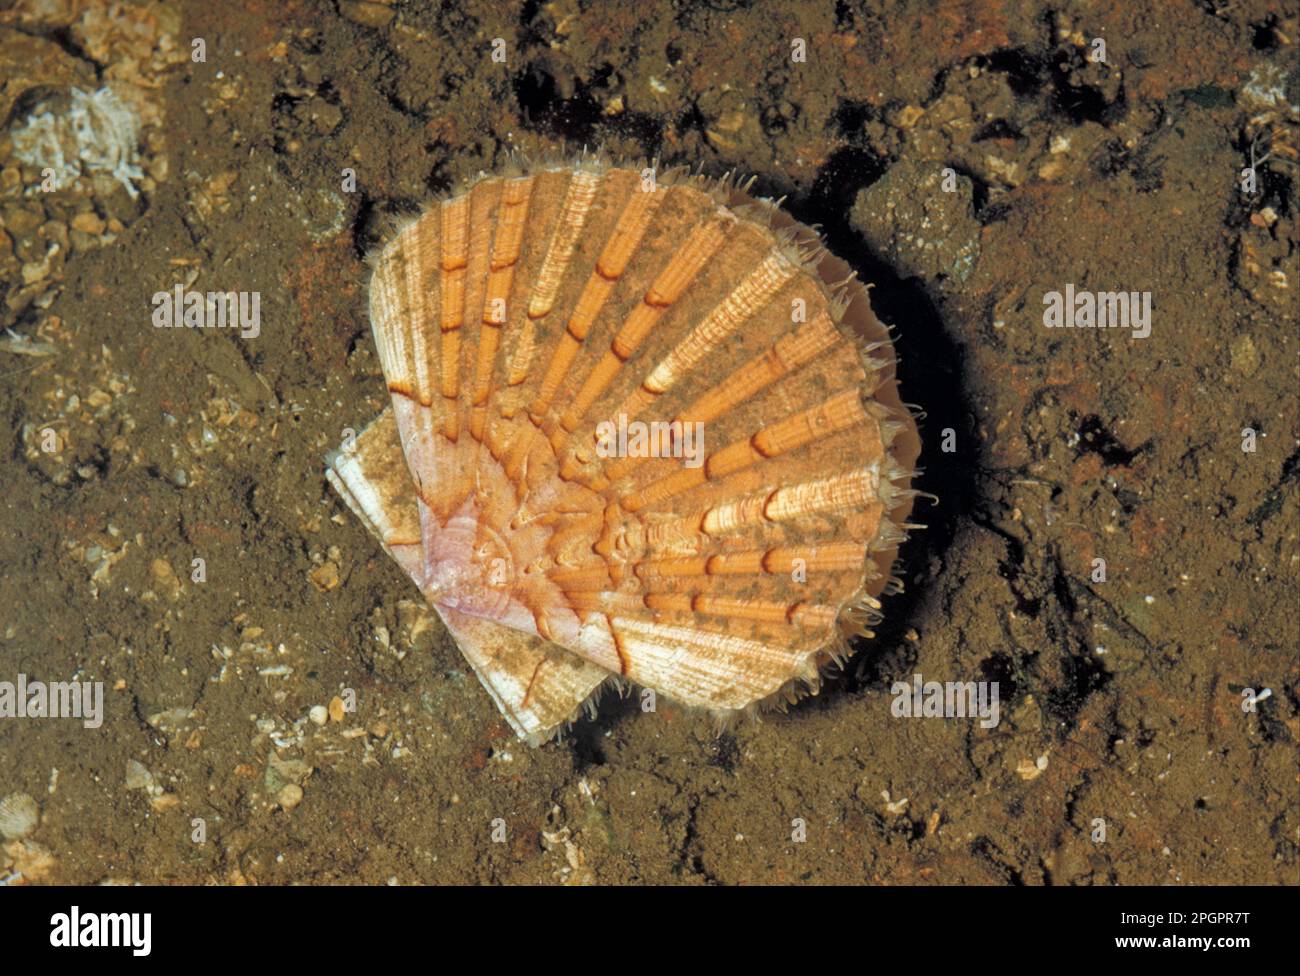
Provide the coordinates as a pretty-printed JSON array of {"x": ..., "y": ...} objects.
[{"x": 643, "y": 428}]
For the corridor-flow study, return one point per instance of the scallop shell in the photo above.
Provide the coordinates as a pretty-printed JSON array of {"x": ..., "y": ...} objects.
[
  {"x": 19, "y": 816},
  {"x": 519, "y": 325}
]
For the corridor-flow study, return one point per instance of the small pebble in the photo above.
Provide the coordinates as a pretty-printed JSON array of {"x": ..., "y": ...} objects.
[
  {"x": 88, "y": 222},
  {"x": 368, "y": 13},
  {"x": 1029, "y": 770},
  {"x": 324, "y": 577},
  {"x": 1245, "y": 357},
  {"x": 290, "y": 796},
  {"x": 138, "y": 776},
  {"x": 165, "y": 802}
]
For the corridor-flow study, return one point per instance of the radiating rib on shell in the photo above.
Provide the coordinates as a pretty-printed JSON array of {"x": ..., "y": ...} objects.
[{"x": 512, "y": 319}]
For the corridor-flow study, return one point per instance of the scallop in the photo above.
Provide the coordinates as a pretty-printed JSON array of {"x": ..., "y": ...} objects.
[
  {"x": 644, "y": 430},
  {"x": 19, "y": 816}
]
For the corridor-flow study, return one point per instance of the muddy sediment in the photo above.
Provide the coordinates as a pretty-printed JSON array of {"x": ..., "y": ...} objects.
[{"x": 1116, "y": 540}]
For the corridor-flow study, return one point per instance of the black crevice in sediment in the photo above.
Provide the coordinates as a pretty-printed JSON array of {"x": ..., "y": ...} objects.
[
  {"x": 1095, "y": 438},
  {"x": 580, "y": 119},
  {"x": 1272, "y": 502}
]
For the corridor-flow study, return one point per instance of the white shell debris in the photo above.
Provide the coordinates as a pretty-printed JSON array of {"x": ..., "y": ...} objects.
[{"x": 81, "y": 132}]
